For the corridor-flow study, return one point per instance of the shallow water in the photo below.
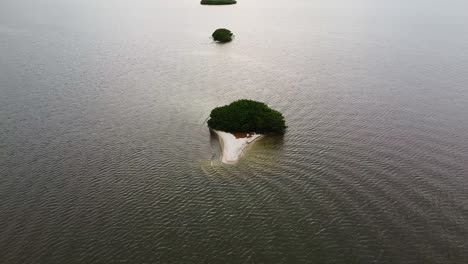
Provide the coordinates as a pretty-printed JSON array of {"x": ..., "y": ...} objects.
[{"x": 105, "y": 156}]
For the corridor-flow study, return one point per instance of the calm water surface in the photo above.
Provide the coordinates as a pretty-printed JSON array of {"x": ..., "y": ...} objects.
[{"x": 105, "y": 156}]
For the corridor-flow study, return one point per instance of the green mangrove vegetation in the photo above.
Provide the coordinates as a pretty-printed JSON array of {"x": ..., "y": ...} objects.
[
  {"x": 218, "y": 2},
  {"x": 222, "y": 35},
  {"x": 247, "y": 116}
]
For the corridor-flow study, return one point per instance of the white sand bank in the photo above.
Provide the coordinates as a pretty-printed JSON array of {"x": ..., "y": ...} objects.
[{"x": 232, "y": 147}]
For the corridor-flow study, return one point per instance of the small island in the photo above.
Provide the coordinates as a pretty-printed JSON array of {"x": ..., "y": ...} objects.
[
  {"x": 222, "y": 35},
  {"x": 218, "y": 2},
  {"x": 241, "y": 123}
]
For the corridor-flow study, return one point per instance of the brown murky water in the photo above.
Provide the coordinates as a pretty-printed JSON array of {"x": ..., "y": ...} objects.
[{"x": 105, "y": 156}]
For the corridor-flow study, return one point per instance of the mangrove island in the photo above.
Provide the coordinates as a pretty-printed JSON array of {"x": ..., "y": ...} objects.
[
  {"x": 222, "y": 35},
  {"x": 218, "y": 2},
  {"x": 241, "y": 123}
]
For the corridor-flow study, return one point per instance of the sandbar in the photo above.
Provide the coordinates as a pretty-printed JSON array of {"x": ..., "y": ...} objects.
[{"x": 233, "y": 145}]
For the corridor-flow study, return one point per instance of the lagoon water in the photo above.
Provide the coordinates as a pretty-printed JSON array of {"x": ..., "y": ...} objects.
[{"x": 105, "y": 156}]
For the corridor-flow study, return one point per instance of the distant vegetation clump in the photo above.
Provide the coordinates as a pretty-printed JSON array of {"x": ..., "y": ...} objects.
[
  {"x": 247, "y": 116},
  {"x": 222, "y": 35},
  {"x": 218, "y": 2}
]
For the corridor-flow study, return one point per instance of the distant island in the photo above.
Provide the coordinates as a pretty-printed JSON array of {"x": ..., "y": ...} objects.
[
  {"x": 222, "y": 35},
  {"x": 241, "y": 123},
  {"x": 218, "y": 2}
]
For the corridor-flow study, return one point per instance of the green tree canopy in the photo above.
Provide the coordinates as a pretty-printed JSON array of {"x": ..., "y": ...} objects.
[
  {"x": 247, "y": 116},
  {"x": 222, "y": 35},
  {"x": 218, "y": 2}
]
